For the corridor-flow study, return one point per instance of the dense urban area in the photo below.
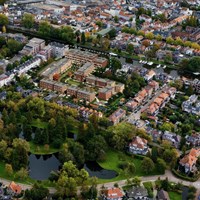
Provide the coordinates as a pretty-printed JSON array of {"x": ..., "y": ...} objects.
[{"x": 100, "y": 99}]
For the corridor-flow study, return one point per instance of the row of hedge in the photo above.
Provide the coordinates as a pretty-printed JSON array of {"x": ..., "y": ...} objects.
[{"x": 191, "y": 179}]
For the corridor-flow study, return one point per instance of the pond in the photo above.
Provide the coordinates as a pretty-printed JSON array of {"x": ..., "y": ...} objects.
[
  {"x": 40, "y": 166},
  {"x": 94, "y": 169}
]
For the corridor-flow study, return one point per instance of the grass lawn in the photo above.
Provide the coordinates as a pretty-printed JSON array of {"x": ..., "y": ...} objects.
[
  {"x": 114, "y": 158},
  {"x": 39, "y": 124},
  {"x": 42, "y": 149},
  {"x": 174, "y": 196}
]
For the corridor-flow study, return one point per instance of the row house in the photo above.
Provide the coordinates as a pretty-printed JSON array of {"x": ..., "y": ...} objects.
[{"x": 86, "y": 112}]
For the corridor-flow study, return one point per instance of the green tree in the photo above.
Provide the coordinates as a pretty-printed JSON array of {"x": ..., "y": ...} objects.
[
  {"x": 83, "y": 38},
  {"x": 119, "y": 135},
  {"x": 22, "y": 174},
  {"x": 147, "y": 165},
  {"x": 3, "y": 20},
  {"x": 3, "y": 147},
  {"x": 9, "y": 169},
  {"x": 136, "y": 181},
  {"x": 161, "y": 165},
  {"x": 116, "y": 19},
  {"x": 130, "y": 48},
  {"x": 28, "y": 20},
  {"x": 115, "y": 64},
  {"x": 194, "y": 64},
  {"x": 37, "y": 192}
]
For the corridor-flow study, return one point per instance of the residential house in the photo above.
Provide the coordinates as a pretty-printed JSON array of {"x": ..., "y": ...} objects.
[
  {"x": 188, "y": 162},
  {"x": 117, "y": 116},
  {"x": 15, "y": 188},
  {"x": 138, "y": 146},
  {"x": 113, "y": 194},
  {"x": 196, "y": 85},
  {"x": 173, "y": 138},
  {"x": 193, "y": 140},
  {"x": 137, "y": 193},
  {"x": 154, "y": 133},
  {"x": 162, "y": 195},
  {"x": 131, "y": 105},
  {"x": 149, "y": 75}
]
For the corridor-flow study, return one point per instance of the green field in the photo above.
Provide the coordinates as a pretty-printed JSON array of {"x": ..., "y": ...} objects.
[
  {"x": 112, "y": 161},
  {"x": 175, "y": 196}
]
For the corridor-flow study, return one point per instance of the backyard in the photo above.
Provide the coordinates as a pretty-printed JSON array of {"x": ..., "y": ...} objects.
[{"x": 113, "y": 161}]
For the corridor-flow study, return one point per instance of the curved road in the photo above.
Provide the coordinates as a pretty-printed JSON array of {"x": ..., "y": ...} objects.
[{"x": 168, "y": 174}]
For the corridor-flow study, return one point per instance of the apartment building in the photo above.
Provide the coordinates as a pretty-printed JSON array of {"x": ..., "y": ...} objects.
[
  {"x": 84, "y": 71},
  {"x": 106, "y": 93},
  {"x": 33, "y": 47},
  {"x": 59, "y": 50},
  {"x": 99, "y": 82},
  {"x": 58, "y": 67},
  {"x": 81, "y": 93},
  {"x": 81, "y": 57},
  {"x": 53, "y": 85}
]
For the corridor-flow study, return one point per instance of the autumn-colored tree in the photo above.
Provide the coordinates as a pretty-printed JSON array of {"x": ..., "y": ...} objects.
[{"x": 56, "y": 77}]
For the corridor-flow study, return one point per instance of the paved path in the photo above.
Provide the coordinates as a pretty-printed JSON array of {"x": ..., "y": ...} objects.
[{"x": 122, "y": 183}]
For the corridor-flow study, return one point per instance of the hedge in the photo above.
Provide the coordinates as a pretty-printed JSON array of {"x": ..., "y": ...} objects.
[{"x": 192, "y": 179}]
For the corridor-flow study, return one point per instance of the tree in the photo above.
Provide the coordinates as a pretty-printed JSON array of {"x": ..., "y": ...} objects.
[
  {"x": 96, "y": 148},
  {"x": 37, "y": 192},
  {"x": 56, "y": 77},
  {"x": 194, "y": 64},
  {"x": 115, "y": 64},
  {"x": 146, "y": 43},
  {"x": 116, "y": 19},
  {"x": 22, "y": 174},
  {"x": 169, "y": 40},
  {"x": 112, "y": 33},
  {"x": 119, "y": 135},
  {"x": 8, "y": 169},
  {"x": 3, "y": 147},
  {"x": 136, "y": 181},
  {"x": 28, "y": 20},
  {"x": 154, "y": 154},
  {"x": 130, "y": 48},
  {"x": 147, "y": 165},
  {"x": 105, "y": 43},
  {"x": 44, "y": 29},
  {"x": 83, "y": 38},
  {"x": 3, "y": 20},
  {"x": 149, "y": 35},
  {"x": 14, "y": 46},
  {"x": 161, "y": 165}
]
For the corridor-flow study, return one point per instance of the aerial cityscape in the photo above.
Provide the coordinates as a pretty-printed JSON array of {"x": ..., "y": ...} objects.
[{"x": 100, "y": 99}]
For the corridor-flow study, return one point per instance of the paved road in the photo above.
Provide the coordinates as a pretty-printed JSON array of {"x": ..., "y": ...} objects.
[
  {"x": 168, "y": 174},
  {"x": 122, "y": 183}
]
